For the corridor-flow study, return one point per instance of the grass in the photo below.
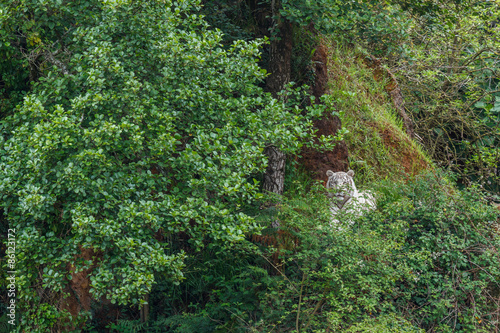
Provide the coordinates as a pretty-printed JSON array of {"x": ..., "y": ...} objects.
[{"x": 378, "y": 146}]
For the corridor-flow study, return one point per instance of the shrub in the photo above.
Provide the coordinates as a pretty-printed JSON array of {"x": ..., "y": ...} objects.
[
  {"x": 427, "y": 256},
  {"x": 452, "y": 250}
]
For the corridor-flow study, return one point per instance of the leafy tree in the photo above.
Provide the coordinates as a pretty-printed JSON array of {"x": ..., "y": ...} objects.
[
  {"x": 143, "y": 128},
  {"x": 367, "y": 20},
  {"x": 33, "y": 38}
]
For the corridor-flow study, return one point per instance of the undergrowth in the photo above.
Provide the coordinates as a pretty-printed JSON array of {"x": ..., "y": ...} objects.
[{"x": 427, "y": 259}]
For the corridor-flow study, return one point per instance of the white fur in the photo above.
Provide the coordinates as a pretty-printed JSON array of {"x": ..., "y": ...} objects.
[{"x": 347, "y": 199}]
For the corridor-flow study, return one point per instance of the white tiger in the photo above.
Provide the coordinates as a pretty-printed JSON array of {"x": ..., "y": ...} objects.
[{"x": 346, "y": 197}]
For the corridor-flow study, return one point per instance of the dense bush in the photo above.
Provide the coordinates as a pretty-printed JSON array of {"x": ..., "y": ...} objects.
[
  {"x": 426, "y": 259},
  {"x": 452, "y": 249},
  {"x": 429, "y": 254},
  {"x": 450, "y": 78}
]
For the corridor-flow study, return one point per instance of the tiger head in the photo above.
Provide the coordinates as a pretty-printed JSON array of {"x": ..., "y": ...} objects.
[{"x": 341, "y": 185}]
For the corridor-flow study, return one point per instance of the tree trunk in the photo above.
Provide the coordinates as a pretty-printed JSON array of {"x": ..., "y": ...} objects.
[
  {"x": 145, "y": 310},
  {"x": 280, "y": 58},
  {"x": 274, "y": 178},
  {"x": 280, "y": 68}
]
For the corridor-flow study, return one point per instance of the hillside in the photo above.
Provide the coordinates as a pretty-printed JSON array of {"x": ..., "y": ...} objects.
[
  {"x": 379, "y": 146},
  {"x": 376, "y": 145}
]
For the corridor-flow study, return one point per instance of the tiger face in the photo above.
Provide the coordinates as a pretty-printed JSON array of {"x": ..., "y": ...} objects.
[{"x": 341, "y": 185}]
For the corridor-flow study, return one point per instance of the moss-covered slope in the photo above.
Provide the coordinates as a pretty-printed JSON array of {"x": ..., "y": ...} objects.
[{"x": 378, "y": 145}]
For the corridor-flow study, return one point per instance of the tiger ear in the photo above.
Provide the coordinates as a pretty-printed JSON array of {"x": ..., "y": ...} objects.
[
  {"x": 350, "y": 173},
  {"x": 329, "y": 173}
]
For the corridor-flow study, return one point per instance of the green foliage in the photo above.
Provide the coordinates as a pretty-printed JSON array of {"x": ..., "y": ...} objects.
[
  {"x": 128, "y": 326},
  {"x": 147, "y": 127},
  {"x": 373, "y": 22},
  {"x": 334, "y": 276},
  {"x": 220, "y": 293},
  {"x": 450, "y": 79},
  {"x": 186, "y": 323},
  {"x": 452, "y": 249},
  {"x": 324, "y": 279},
  {"x": 304, "y": 41},
  {"x": 427, "y": 257},
  {"x": 34, "y": 37},
  {"x": 389, "y": 323},
  {"x": 233, "y": 18},
  {"x": 4, "y": 325},
  {"x": 429, "y": 254}
]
